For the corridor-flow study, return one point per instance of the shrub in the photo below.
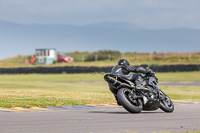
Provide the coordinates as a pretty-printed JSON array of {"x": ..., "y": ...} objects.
[{"x": 103, "y": 55}]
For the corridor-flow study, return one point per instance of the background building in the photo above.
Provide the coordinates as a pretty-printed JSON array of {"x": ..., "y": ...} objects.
[{"x": 45, "y": 56}]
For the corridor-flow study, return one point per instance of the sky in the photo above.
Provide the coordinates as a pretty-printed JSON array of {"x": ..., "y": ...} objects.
[
  {"x": 147, "y": 14},
  {"x": 153, "y": 14}
]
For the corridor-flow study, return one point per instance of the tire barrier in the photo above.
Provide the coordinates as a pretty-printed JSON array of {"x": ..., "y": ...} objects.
[
  {"x": 54, "y": 70},
  {"x": 175, "y": 68}
]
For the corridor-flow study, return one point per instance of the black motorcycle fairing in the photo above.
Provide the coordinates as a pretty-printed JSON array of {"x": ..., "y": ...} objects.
[
  {"x": 152, "y": 105},
  {"x": 152, "y": 82}
]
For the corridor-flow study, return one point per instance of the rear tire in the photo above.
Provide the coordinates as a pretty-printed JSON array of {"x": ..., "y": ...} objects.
[
  {"x": 132, "y": 106},
  {"x": 165, "y": 103}
]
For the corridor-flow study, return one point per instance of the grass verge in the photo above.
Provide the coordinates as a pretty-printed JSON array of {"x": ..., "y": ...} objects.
[{"x": 58, "y": 90}]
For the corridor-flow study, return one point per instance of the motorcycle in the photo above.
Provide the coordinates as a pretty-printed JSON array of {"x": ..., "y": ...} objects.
[{"x": 133, "y": 100}]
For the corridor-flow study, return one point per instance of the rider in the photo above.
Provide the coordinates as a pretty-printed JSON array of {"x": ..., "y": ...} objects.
[{"x": 123, "y": 68}]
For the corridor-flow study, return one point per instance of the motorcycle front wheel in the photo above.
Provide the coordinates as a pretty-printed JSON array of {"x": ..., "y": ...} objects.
[
  {"x": 165, "y": 103},
  {"x": 124, "y": 97}
]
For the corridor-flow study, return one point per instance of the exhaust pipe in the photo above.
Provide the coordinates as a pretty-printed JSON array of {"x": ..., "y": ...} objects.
[
  {"x": 116, "y": 82},
  {"x": 112, "y": 81}
]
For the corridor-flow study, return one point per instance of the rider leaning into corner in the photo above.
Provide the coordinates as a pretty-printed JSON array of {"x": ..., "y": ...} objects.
[{"x": 123, "y": 69}]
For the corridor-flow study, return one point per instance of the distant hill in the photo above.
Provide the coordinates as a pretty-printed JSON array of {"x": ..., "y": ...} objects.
[{"x": 115, "y": 36}]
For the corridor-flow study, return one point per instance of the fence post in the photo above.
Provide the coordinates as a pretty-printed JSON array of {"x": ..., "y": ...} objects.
[
  {"x": 83, "y": 58},
  {"x": 109, "y": 57},
  {"x": 164, "y": 56},
  {"x": 150, "y": 56},
  {"x": 189, "y": 56},
  {"x": 96, "y": 57},
  {"x": 137, "y": 57},
  {"x": 123, "y": 56},
  {"x": 177, "y": 56}
]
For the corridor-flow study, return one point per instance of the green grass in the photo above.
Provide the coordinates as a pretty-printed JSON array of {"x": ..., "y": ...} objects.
[
  {"x": 28, "y": 94},
  {"x": 60, "y": 89},
  {"x": 179, "y": 76},
  {"x": 191, "y": 93},
  {"x": 168, "y": 77}
]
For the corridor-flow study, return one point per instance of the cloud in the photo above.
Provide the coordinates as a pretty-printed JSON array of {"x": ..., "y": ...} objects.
[{"x": 153, "y": 14}]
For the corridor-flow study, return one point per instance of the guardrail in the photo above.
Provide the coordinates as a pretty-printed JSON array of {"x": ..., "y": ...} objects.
[{"x": 52, "y": 70}]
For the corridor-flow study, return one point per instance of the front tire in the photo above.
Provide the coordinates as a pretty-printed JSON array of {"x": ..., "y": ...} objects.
[
  {"x": 124, "y": 98},
  {"x": 165, "y": 103}
]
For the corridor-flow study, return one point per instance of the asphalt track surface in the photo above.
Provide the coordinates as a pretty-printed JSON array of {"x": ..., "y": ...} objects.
[{"x": 186, "y": 117}]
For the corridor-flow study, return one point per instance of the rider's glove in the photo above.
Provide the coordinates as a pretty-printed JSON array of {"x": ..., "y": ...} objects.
[{"x": 149, "y": 71}]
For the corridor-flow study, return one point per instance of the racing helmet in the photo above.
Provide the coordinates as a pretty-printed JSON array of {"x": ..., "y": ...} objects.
[{"x": 124, "y": 63}]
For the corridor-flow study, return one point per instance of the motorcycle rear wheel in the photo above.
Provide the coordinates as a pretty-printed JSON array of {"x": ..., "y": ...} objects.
[
  {"x": 165, "y": 103},
  {"x": 124, "y": 98}
]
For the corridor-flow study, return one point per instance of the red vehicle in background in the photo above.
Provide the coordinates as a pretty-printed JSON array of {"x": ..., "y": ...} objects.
[{"x": 64, "y": 58}]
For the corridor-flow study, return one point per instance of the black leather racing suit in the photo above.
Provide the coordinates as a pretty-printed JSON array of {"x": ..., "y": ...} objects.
[{"x": 123, "y": 71}]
